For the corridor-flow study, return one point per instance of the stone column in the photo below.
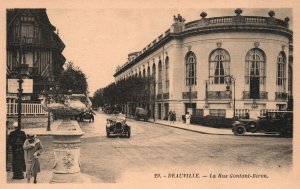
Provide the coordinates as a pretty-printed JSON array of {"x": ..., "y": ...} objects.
[{"x": 66, "y": 140}]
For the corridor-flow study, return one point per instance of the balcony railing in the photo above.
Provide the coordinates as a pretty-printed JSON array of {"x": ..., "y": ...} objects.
[
  {"x": 166, "y": 95},
  {"x": 189, "y": 95},
  {"x": 28, "y": 40},
  {"x": 159, "y": 96},
  {"x": 261, "y": 95},
  {"x": 249, "y": 20},
  {"x": 215, "y": 95},
  {"x": 280, "y": 96}
]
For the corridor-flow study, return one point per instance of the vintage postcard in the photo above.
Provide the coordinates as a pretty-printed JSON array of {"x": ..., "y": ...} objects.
[{"x": 144, "y": 94}]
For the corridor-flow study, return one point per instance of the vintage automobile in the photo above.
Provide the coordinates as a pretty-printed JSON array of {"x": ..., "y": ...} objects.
[
  {"x": 274, "y": 122},
  {"x": 116, "y": 125},
  {"x": 89, "y": 115},
  {"x": 141, "y": 113}
]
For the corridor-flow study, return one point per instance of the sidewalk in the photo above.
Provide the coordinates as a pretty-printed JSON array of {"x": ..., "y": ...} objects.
[
  {"x": 194, "y": 128},
  {"x": 45, "y": 176},
  {"x": 205, "y": 130}
]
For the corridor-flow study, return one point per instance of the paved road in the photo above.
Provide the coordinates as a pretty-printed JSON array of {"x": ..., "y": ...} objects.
[{"x": 156, "y": 149}]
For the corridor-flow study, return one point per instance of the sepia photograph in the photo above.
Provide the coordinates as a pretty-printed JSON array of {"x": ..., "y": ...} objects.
[{"x": 143, "y": 95}]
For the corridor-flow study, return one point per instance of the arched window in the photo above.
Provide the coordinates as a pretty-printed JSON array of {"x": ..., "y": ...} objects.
[
  {"x": 255, "y": 75},
  {"x": 154, "y": 71},
  {"x": 219, "y": 66},
  {"x": 281, "y": 73},
  {"x": 190, "y": 67},
  {"x": 255, "y": 65},
  {"x": 148, "y": 71},
  {"x": 159, "y": 77},
  {"x": 167, "y": 74},
  {"x": 144, "y": 72}
]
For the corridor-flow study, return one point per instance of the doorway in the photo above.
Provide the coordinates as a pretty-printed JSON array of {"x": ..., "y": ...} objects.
[{"x": 254, "y": 87}]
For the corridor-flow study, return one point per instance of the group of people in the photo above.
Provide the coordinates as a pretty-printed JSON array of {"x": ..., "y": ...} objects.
[
  {"x": 172, "y": 117},
  {"x": 26, "y": 150}
]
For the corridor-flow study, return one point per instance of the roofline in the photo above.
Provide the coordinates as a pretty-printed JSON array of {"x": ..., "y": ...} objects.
[{"x": 207, "y": 30}]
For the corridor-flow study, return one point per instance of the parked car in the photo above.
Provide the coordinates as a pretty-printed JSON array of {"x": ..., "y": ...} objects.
[
  {"x": 116, "y": 125},
  {"x": 86, "y": 115},
  {"x": 141, "y": 113},
  {"x": 274, "y": 122}
]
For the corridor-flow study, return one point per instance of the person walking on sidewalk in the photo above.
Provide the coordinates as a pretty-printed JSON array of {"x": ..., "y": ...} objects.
[
  {"x": 173, "y": 115},
  {"x": 16, "y": 140},
  {"x": 170, "y": 116},
  {"x": 188, "y": 118},
  {"x": 33, "y": 148}
]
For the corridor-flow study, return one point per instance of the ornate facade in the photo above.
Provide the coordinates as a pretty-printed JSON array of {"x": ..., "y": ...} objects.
[
  {"x": 222, "y": 66},
  {"x": 32, "y": 40}
]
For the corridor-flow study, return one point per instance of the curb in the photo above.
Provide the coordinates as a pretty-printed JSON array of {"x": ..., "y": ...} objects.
[{"x": 187, "y": 129}]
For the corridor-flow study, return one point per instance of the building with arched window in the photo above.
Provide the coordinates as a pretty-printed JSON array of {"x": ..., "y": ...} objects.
[{"x": 220, "y": 66}]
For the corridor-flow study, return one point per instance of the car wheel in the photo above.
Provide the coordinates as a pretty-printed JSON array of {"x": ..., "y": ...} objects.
[
  {"x": 239, "y": 130},
  {"x": 286, "y": 133},
  {"x": 128, "y": 133},
  {"x": 107, "y": 134}
]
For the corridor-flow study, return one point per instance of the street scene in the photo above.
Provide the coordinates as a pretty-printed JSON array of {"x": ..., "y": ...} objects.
[
  {"x": 206, "y": 94},
  {"x": 158, "y": 148}
]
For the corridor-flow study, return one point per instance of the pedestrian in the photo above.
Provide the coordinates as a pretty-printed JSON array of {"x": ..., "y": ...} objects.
[
  {"x": 33, "y": 148},
  {"x": 188, "y": 118},
  {"x": 173, "y": 117},
  {"x": 170, "y": 116},
  {"x": 16, "y": 140}
]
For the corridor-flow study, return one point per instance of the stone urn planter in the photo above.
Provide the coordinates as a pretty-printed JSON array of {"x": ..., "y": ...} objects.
[{"x": 66, "y": 137}]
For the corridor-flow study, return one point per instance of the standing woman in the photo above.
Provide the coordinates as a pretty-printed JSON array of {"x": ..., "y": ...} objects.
[{"x": 33, "y": 149}]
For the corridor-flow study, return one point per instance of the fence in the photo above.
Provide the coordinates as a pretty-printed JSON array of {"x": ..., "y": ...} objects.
[
  {"x": 242, "y": 112},
  {"x": 27, "y": 109}
]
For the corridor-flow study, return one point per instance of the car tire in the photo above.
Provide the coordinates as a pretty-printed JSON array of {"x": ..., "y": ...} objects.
[
  {"x": 286, "y": 133},
  {"x": 107, "y": 135},
  {"x": 239, "y": 130},
  {"x": 128, "y": 133}
]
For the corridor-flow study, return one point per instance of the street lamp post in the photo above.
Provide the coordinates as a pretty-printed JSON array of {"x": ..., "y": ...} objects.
[
  {"x": 231, "y": 81},
  {"x": 22, "y": 71},
  {"x": 50, "y": 80}
]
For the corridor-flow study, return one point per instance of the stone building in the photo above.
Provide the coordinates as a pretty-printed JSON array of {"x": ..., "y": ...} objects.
[
  {"x": 221, "y": 66},
  {"x": 33, "y": 40}
]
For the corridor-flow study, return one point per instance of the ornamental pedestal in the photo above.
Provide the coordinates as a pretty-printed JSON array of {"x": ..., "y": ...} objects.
[
  {"x": 66, "y": 140},
  {"x": 66, "y": 136}
]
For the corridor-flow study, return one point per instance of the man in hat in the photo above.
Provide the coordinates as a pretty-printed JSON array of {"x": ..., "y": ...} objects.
[
  {"x": 33, "y": 148},
  {"x": 16, "y": 140}
]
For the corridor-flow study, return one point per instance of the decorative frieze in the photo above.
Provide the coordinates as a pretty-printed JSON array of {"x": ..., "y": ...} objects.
[{"x": 68, "y": 160}]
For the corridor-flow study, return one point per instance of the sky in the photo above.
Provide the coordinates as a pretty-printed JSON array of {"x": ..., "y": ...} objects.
[{"x": 98, "y": 40}]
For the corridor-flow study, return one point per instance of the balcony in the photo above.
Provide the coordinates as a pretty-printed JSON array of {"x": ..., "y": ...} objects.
[
  {"x": 27, "y": 41},
  {"x": 159, "y": 96},
  {"x": 280, "y": 96},
  {"x": 216, "y": 95},
  {"x": 166, "y": 95},
  {"x": 189, "y": 95},
  {"x": 261, "y": 95}
]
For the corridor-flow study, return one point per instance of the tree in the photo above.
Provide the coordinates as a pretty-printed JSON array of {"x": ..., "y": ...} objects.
[
  {"x": 73, "y": 79},
  {"x": 133, "y": 89}
]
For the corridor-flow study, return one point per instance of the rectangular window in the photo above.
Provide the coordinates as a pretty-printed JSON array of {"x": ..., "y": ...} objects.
[
  {"x": 27, "y": 32},
  {"x": 217, "y": 112}
]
